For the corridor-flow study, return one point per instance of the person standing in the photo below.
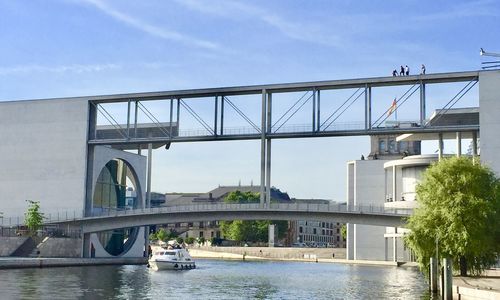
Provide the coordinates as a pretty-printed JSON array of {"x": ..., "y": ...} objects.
[
  {"x": 407, "y": 70},
  {"x": 394, "y": 73},
  {"x": 422, "y": 69},
  {"x": 402, "y": 71}
]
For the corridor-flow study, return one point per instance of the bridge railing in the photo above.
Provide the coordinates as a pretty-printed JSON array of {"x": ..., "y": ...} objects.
[{"x": 66, "y": 216}]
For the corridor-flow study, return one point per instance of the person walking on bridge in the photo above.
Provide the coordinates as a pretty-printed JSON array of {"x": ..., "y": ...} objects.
[
  {"x": 402, "y": 71},
  {"x": 422, "y": 69},
  {"x": 407, "y": 70}
]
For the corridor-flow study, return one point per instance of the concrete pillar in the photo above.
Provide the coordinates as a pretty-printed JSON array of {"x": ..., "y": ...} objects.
[
  {"x": 394, "y": 190},
  {"x": 395, "y": 246},
  {"x": 447, "y": 279},
  {"x": 150, "y": 159},
  {"x": 350, "y": 242},
  {"x": 386, "y": 250},
  {"x": 268, "y": 150},
  {"x": 459, "y": 144},
  {"x": 263, "y": 151},
  {"x": 440, "y": 146},
  {"x": 433, "y": 275}
]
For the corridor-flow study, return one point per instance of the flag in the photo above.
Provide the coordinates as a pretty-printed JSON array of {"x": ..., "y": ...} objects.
[{"x": 392, "y": 108}]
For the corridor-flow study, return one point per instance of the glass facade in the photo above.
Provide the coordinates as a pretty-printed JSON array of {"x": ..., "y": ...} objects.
[{"x": 110, "y": 194}]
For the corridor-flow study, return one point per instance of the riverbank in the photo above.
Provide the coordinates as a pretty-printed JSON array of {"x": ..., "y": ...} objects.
[
  {"x": 34, "y": 262},
  {"x": 320, "y": 255}
]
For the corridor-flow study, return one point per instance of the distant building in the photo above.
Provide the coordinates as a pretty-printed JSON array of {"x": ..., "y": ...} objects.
[
  {"x": 308, "y": 231},
  {"x": 388, "y": 179}
]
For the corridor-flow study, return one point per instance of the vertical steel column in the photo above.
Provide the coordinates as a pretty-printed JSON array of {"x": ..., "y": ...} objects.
[
  {"x": 150, "y": 158},
  {"x": 222, "y": 100},
  {"x": 263, "y": 151},
  {"x": 318, "y": 118},
  {"x": 171, "y": 115},
  {"x": 128, "y": 120},
  {"x": 459, "y": 144},
  {"x": 136, "y": 109},
  {"x": 422, "y": 103},
  {"x": 440, "y": 145},
  {"x": 268, "y": 154},
  {"x": 215, "y": 114},
  {"x": 314, "y": 111},
  {"x": 368, "y": 107},
  {"x": 178, "y": 112}
]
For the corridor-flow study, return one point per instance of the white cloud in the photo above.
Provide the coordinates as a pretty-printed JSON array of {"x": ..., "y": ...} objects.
[
  {"x": 152, "y": 30},
  {"x": 238, "y": 10},
  {"x": 74, "y": 68}
]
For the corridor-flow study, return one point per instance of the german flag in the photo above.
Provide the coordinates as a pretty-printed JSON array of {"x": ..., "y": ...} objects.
[{"x": 392, "y": 108}]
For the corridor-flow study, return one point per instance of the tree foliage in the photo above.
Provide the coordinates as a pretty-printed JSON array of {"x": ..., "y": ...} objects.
[
  {"x": 343, "y": 231},
  {"x": 163, "y": 235},
  {"x": 33, "y": 216},
  {"x": 249, "y": 231},
  {"x": 459, "y": 206}
]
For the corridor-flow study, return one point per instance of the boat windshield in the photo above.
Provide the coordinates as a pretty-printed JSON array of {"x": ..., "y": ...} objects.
[{"x": 170, "y": 253}]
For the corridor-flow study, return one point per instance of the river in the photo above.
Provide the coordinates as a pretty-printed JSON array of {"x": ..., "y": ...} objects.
[{"x": 216, "y": 279}]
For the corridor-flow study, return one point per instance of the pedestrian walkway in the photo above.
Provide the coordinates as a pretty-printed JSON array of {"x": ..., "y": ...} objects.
[{"x": 484, "y": 287}]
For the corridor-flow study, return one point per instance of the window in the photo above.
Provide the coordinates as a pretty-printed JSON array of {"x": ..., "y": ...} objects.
[
  {"x": 392, "y": 146},
  {"x": 300, "y": 229},
  {"x": 201, "y": 233},
  {"x": 338, "y": 238},
  {"x": 322, "y": 232},
  {"x": 338, "y": 230},
  {"x": 314, "y": 230},
  {"x": 381, "y": 145}
]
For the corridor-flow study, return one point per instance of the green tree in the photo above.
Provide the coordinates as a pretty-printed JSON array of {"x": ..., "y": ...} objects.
[
  {"x": 459, "y": 207},
  {"x": 254, "y": 231},
  {"x": 189, "y": 240},
  {"x": 161, "y": 235},
  {"x": 201, "y": 240},
  {"x": 343, "y": 231},
  {"x": 33, "y": 216},
  {"x": 179, "y": 240}
]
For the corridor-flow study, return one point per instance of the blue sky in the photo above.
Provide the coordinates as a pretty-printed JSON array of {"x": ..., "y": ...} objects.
[{"x": 64, "y": 48}]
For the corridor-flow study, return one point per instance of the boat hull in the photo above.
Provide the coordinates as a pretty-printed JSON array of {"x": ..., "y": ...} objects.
[{"x": 171, "y": 265}]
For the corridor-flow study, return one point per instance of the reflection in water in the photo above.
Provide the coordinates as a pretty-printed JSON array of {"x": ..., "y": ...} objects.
[{"x": 216, "y": 280}]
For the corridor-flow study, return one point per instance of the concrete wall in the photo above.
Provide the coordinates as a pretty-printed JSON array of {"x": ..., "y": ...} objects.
[
  {"x": 489, "y": 118},
  {"x": 42, "y": 155},
  {"x": 10, "y": 244},
  {"x": 60, "y": 247},
  {"x": 368, "y": 179}
]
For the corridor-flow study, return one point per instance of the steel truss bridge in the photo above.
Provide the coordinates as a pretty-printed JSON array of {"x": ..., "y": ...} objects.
[{"x": 127, "y": 136}]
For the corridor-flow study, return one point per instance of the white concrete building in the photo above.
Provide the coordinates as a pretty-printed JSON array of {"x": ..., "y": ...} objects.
[{"x": 45, "y": 157}]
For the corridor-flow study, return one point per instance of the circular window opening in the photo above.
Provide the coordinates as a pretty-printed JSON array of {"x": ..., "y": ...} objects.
[{"x": 116, "y": 190}]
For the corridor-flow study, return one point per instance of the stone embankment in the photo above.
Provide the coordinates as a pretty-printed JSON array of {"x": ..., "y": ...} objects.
[
  {"x": 278, "y": 253},
  {"x": 331, "y": 255}
]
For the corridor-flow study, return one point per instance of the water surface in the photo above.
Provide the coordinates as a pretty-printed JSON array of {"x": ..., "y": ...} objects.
[{"x": 216, "y": 279}]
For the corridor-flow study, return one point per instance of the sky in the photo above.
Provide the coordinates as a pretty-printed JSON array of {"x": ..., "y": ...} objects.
[{"x": 62, "y": 48}]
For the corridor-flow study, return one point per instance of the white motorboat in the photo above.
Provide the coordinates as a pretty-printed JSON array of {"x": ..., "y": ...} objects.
[{"x": 171, "y": 259}]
